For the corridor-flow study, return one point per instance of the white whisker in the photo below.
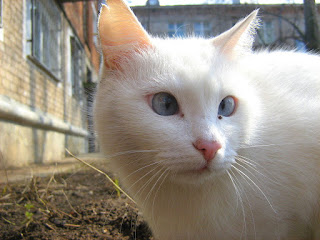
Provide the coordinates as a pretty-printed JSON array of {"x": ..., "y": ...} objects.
[
  {"x": 250, "y": 206},
  {"x": 239, "y": 198},
  {"x": 145, "y": 185},
  {"x": 155, "y": 195},
  {"x": 256, "y": 170},
  {"x": 248, "y": 160},
  {"x": 143, "y": 176},
  {"x": 140, "y": 169},
  {"x": 267, "y": 145},
  {"x": 130, "y": 152},
  {"x": 136, "y": 160},
  {"x": 150, "y": 191},
  {"x": 235, "y": 188},
  {"x": 246, "y": 176}
]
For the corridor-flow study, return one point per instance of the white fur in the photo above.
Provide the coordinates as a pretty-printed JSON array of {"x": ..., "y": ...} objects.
[{"x": 275, "y": 130}]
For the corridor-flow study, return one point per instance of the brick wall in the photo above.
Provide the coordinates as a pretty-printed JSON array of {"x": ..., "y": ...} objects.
[
  {"x": 39, "y": 115},
  {"x": 22, "y": 79},
  {"x": 78, "y": 13}
]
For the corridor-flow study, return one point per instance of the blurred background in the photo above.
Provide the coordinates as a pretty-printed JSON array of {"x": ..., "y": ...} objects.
[{"x": 49, "y": 62}]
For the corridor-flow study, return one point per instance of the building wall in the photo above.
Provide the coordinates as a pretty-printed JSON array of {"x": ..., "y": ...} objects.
[
  {"x": 276, "y": 25},
  {"x": 92, "y": 11},
  {"x": 83, "y": 16},
  {"x": 39, "y": 114}
]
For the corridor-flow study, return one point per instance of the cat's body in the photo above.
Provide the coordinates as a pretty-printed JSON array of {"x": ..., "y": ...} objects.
[{"x": 262, "y": 182}]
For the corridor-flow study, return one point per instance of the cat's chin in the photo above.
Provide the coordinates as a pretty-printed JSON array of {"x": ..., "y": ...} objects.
[{"x": 200, "y": 175}]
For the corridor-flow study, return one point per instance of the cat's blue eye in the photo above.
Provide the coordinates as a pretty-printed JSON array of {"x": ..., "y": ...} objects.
[
  {"x": 227, "y": 107},
  {"x": 164, "y": 104}
]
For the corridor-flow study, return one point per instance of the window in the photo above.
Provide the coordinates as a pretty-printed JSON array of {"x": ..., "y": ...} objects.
[
  {"x": 144, "y": 25},
  {"x": 176, "y": 29},
  {"x": 300, "y": 46},
  {"x": 76, "y": 67},
  {"x": 43, "y": 34},
  {"x": 201, "y": 29},
  {"x": 100, "y": 2},
  {"x": 267, "y": 31},
  {"x": 85, "y": 19}
]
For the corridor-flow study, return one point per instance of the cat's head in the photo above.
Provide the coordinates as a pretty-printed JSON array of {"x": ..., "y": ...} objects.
[{"x": 177, "y": 107}]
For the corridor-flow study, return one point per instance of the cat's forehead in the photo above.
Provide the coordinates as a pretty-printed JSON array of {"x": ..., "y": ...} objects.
[
  {"x": 189, "y": 49},
  {"x": 189, "y": 63},
  {"x": 185, "y": 59}
]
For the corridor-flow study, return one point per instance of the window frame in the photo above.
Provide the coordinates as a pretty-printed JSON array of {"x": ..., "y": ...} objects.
[
  {"x": 204, "y": 30},
  {"x": 178, "y": 29},
  {"x": 43, "y": 36},
  {"x": 76, "y": 64},
  {"x": 267, "y": 32}
]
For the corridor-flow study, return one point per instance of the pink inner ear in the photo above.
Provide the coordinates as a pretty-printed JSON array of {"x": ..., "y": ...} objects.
[
  {"x": 114, "y": 55},
  {"x": 116, "y": 29},
  {"x": 120, "y": 33}
]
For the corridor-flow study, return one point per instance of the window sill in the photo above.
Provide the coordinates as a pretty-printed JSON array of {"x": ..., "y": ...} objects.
[{"x": 43, "y": 68}]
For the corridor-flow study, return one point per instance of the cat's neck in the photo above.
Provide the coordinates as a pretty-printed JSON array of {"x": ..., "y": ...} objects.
[
  {"x": 166, "y": 196},
  {"x": 180, "y": 203}
]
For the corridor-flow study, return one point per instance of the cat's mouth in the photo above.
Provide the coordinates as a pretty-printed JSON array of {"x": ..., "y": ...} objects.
[
  {"x": 197, "y": 167},
  {"x": 201, "y": 169},
  {"x": 197, "y": 171},
  {"x": 207, "y": 169},
  {"x": 201, "y": 173}
]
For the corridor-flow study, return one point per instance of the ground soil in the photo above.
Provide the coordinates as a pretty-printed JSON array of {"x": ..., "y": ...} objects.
[{"x": 81, "y": 205}]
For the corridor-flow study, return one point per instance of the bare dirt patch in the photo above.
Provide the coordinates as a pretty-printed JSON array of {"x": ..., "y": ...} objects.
[{"x": 82, "y": 205}]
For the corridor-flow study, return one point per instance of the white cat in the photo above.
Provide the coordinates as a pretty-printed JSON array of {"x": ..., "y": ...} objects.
[{"x": 212, "y": 140}]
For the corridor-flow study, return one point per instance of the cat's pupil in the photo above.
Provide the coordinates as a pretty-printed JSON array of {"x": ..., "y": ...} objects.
[
  {"x": 222, "y": 105},
  {"x": 164, "y": 104}
]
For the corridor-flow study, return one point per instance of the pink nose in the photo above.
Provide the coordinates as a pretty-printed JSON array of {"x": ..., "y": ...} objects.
[{"x": 207, "y": 148}]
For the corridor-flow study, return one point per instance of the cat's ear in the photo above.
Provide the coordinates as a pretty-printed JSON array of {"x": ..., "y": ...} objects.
[
  {"x": 239, "y": 38},
  {"x": 120, "y": 33}
]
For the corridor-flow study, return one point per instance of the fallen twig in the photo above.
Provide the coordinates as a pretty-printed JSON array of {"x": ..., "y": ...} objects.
[
  {"x": 6, "y": 220},
  {"x": 49, "y": 226},
  {"x": 106, "y": 175},
  {"x": 71, "y": 225},
  {"x": 70, "y": 203}
]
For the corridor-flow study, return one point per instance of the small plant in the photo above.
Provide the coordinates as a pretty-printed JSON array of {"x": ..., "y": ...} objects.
[
  {"x": 4, "y": 190},
  {"x": 28, "y": 214}
]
